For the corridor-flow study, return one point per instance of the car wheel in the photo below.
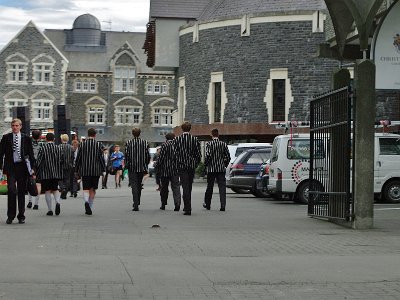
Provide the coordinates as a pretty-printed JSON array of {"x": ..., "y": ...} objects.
[
  {"x": 303, "y": 193},
  {"x": 259, "y": 194},
  {"x": 239, "y": 191},
  {"x": 391, "y": 191}
]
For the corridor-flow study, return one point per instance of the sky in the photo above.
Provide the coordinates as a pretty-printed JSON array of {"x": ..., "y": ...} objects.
[{"x": 119, "y": 15}]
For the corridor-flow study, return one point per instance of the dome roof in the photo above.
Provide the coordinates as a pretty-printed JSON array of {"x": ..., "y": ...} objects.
[{"x": 86, "y": 21}]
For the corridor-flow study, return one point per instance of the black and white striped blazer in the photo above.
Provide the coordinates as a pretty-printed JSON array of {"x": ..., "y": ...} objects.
[
  {"x": 49, "y": 162},
  {"x": 68, "y": 153},
  {"x": 187, "y": 151},
  {"x": 217, "y": 156},
  {"x": 89, "y": 160},
  {"x": 137, "y": 155},
  {"x": 166, "y": 163}
]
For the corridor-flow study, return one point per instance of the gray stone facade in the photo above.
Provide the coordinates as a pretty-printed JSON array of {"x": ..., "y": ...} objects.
[
  {"x": 87, "y": 64},
  {"x": 246, "y": 61},
  {"x": 24, "y": 48}
]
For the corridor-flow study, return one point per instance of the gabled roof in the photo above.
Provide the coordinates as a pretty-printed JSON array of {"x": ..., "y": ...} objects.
[
  {"x": 225, "y": 8},
  {"x": 32, "y": 24},
  {"x": 185, "y": 9}
]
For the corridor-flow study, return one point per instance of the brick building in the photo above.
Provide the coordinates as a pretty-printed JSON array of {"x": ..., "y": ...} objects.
[{"x": 100, "y": 75}]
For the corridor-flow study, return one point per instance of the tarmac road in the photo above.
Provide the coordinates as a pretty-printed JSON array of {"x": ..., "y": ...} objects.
[{"x": 257, "y": 249}]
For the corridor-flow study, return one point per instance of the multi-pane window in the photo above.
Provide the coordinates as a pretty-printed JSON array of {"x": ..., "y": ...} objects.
[
  {"x": 85, "y": 86},
  {"x": 157, "y": 87},
  {"x": 17, "y": 72},
  {"x": 42, "y": 110},
  {"x": 128, "y": 115},
  {"x": 124, "y": 79},
  {"x": 162, "y": 116},
  {"x": 9, "y": 104},
  {"x": 95, "y": 114},
  {"x": 42, "y": 73}
]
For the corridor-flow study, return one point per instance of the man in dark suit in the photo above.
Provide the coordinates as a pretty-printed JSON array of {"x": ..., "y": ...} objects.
[
  {"x": 137, "y": 159},
  {"x": 216, "y": 159},
  {"x": 15, "y": 149},
  {"x": 188, "y": 155},
  {"x": 90, "y": 165},
  {"x": 168, "y": 172}
]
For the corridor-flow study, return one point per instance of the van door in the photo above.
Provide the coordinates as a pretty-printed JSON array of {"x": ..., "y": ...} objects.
[{"x": 387, "y": 164}]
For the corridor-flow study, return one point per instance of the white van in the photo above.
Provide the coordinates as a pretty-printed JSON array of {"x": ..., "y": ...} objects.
[{"x": 289, "y": 167}]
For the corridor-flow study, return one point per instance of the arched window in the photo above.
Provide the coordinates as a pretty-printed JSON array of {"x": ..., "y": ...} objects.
[
  {"x": 95, "y": 111},
  {"x": 128, "y": 111},
  {"x": 17, "y": 69},
  {"x": 43, "y": 70},
  {"x": 11, "y": 100}
]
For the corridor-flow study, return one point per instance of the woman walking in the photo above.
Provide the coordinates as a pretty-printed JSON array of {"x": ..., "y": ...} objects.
[{"x": 117, "y": 161}]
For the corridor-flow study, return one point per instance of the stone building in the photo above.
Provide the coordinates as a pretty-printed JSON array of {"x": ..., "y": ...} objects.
[
  {"x": 243, "y": 66},
  {"x": 100, "y": 75}
]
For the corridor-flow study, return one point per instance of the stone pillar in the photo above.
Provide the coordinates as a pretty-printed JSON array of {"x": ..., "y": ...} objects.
[{"x": 363, "y": 141}]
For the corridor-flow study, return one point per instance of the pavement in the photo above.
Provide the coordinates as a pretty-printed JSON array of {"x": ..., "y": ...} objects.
[{"x": 256, "y": 249}]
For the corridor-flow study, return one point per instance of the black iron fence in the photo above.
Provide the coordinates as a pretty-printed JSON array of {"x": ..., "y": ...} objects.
[{"x": 330, "y": 157}]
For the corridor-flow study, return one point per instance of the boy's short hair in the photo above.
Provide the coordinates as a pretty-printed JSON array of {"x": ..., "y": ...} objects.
[
  {"x": 36, "y": 134},
  {"x": 91, "y": 132},
  {"x": 50, "y": 137}
]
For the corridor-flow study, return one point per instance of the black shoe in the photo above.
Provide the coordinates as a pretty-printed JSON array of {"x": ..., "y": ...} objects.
[
  {"x": 63, "y": 195},
  {"x": 187, "y": 213},
  {"x": 102, "y": 187},
  {"x": 88, "y": 210},
  {"x": 135, "y": 209},
  {"x": 177, "y": 208},
  {"x": 21, "y": 221},
  {"x": 71, "y": 195},
  {"x": 162, "y": 207},
  {"x": 49, "y": 213},
  {"x": 35, "y": 207},
  {"x": 75, "y": 194},
  {"x": 57, "y": 209},
  {"x": 29, "y": 205},
  {"x": 206, "y": 206},
  {"x": 9, "y": 221},
  {"x": 222, "y": 209}
]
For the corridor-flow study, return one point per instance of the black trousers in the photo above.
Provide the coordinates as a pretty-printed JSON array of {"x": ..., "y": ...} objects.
[
  {"x": 135, "y": 179},
  {"x": 221, "y": 181},
  {"x": 186, "y": 177},
  {"x": 16, "y": 184},
  {"x": 176, "y": 189}
]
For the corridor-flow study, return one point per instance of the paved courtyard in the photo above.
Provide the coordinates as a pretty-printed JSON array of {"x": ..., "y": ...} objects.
[{"x": 257, "y": 249}]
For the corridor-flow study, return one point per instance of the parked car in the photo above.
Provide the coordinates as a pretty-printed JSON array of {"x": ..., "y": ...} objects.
[
  {"x": 244, "y": 169},
  {"x": 235, "y": 151}
]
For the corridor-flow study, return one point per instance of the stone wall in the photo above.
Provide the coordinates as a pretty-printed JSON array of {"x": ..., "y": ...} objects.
[{"x": 246, "y": 62}]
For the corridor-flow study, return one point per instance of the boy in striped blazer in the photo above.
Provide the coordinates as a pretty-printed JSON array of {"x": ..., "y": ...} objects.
[
  {"x": 216, "y": 159},
  {"x": 137, "y": 159},
  {"x": 90, "y": 165},
  {"x": 49, "y": 172},
  {"x": 188, "y": 155},
  {"x": 168, "y": 172}
]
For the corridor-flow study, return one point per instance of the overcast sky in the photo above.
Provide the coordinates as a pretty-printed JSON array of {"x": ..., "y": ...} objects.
[{"x": 124, "y": 15}]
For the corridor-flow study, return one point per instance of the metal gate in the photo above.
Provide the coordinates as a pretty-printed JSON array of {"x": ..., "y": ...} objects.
[{"x": 330, "y": 155}]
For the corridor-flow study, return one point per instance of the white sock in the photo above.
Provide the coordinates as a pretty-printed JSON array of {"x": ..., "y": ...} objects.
[
  {"x": 91, "y": 202},
  {"x": 86, "y": 196},
  {"x": 37, "y": 200},
  {"x": 47, "y": 196},
  {"x": 30, "y": 198},
  {"x": 56, "y": 196}
]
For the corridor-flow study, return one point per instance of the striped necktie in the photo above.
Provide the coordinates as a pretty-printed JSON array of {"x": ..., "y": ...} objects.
[{"x": 15, "y": 146}]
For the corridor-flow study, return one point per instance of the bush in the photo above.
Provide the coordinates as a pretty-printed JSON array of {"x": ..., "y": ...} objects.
[{"x": 201, "y": 170}]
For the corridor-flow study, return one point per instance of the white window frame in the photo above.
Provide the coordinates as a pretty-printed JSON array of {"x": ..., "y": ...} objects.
[
  {"x": 45, "y": 108},
  {"x": 17, "y": 72},
  {"x": 41, "y": 70},
  {"x": 162, "y": 114},
  {"x": 96, "y": 110},
  {"x": 8, "y": 107},
  {"x": 133, "y": 115},
  {"x": 124, "y": 79}
]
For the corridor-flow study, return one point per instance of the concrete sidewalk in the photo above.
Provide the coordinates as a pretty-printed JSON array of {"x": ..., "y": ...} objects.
[{"x": 257, "y": 249}]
